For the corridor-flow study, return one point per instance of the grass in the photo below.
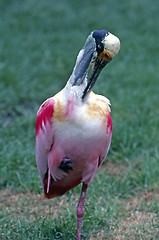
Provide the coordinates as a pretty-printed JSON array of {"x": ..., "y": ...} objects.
[{"x": 39, "y": 44}]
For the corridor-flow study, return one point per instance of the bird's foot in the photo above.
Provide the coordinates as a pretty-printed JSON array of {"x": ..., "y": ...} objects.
[{"x": 65, "y": 165}]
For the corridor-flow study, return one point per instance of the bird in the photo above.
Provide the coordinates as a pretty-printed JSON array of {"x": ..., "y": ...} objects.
[{"x": 74, "y": 127}]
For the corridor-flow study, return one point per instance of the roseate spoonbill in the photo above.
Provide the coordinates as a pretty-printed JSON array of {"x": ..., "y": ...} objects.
[{"x": 74, "y": 127}]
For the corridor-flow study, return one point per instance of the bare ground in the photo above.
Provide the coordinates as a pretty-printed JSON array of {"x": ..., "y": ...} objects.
[
  {"x": 117, "y": 169},
  {"x": 29, "y": 205},
  {"x": 137, "y": 223},
  {"x": 140, "y": 223}
]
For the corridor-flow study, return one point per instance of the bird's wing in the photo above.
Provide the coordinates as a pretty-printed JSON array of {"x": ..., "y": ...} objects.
[
  {"x": 109, "y": 129},
  {"x": 47, "y": 157},
  {"x": 44, "y": 135}
]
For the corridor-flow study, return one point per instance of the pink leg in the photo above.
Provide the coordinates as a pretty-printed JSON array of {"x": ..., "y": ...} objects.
[{"x": 80, "y": 210}]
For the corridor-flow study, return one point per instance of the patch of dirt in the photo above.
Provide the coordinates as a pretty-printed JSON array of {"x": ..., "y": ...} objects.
[
  {"x": 144, "y": 197},
  {"x": 140, "y": 223},
  {"x": 117, "y": 169},
  {"x": 31, "y": 206},
  {"x": 99, "y": 235}
]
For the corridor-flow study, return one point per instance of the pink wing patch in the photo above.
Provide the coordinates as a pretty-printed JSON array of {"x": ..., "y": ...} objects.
[
  {"x": 109, "y": 123},
  {"x": 44, "y": 135},
  {"x": 44, "y": 114}
]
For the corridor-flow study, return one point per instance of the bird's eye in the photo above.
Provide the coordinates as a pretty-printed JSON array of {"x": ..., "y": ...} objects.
[{"x": 106, "y": 55}]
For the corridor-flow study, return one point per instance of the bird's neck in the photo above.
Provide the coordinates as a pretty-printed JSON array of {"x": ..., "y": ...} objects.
[
  {"x": 74, "y": 92},
  {"x": 81, "y": 68},
  {"x": 78, "y": 79}
]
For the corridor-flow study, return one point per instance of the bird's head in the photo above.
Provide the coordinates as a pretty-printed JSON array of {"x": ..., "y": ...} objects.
[{"x": 106, "y": 48}]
